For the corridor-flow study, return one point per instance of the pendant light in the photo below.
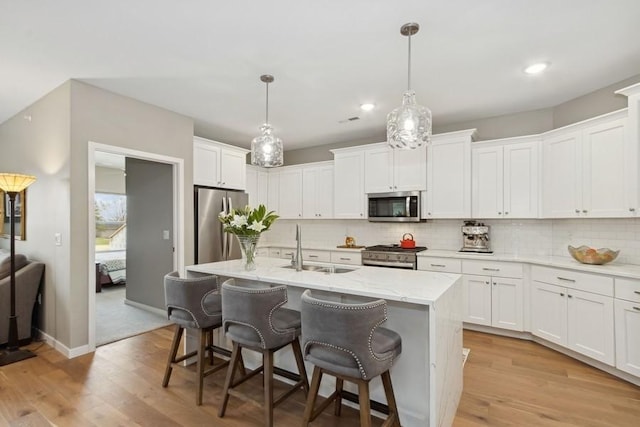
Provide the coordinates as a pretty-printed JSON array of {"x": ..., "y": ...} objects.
[
  {"x": 409, "y": 126},
  {"x": 266, "y": 149}
]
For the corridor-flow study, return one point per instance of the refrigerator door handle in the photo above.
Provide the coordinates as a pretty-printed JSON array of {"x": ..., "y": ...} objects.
[
  {"x": 223, "y": 234},
  {"x": 229, "y": 235}
]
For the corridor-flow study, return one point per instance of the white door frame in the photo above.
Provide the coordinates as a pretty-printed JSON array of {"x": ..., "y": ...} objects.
[{"x": 178, "y": 217}]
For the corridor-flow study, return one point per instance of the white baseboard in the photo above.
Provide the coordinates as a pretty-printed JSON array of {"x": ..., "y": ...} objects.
[{"x": 69, "y": 353}]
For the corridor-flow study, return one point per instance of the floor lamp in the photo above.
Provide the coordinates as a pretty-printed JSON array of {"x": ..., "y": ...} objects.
[{"x": 12, "y": 184}]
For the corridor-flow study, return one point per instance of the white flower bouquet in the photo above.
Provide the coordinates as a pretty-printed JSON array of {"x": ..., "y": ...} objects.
[{"x": 247, "y": 221}]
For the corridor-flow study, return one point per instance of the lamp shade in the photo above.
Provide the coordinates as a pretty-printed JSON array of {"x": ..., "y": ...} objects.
[{"x": 15, "y": 182}]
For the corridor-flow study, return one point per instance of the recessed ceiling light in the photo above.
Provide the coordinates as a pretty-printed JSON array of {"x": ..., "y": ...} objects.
[
  {"x": 367, "y": 107},
  {"x": 536, "y": 68}
]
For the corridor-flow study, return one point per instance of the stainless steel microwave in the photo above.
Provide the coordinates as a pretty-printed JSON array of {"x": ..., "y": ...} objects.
[{"x": 401, "y": 206}]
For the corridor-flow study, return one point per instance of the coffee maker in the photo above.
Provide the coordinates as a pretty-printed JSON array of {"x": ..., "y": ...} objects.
[{"x": 475, "y": 238}]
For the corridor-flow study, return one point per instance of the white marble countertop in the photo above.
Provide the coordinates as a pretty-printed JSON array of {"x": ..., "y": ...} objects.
[
  {"x": 418, "y": 287},
  {"x": 612, "y": 269}
]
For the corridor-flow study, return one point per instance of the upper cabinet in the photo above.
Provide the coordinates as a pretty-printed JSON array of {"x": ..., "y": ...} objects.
[
  {"x": 586, "y": 172},
  {"x": 387, "y": 169},
  {"x": 349, "y": 199},
  {"x": 449, "y": 175},
  {"x": 257, "y": 186},
  {"x": 218, "y": 165},
  {"x": 290, "y": 192},
  {"x": 317, "y": 191},
  {"x": 632, "y": 155},
  {"x": 505, "y": 178}
]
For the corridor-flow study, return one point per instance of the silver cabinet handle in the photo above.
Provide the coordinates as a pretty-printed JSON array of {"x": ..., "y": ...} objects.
[
  {"x": 577, "y": 211},
  {"x": 506, "y": 213},
  {"x": 345, "y": 259},
  {"x": 486, "y": 283},
  {"x": 632, "y": 209},
  {"x": 494, "y": 283},
  {"x": 566, "y": 280},
  {"x": 438, "y": 265},
  {"x": 490, "y": 269},
  {"x": 499, "y": 213},
  {"x": 313, "y": 256},
  {"x": 561, "y": 294},
  {"x": 636, "y": 308},
  {"x": 636, "y": 292},
  {"x": 570, "y": 296},
  {"x": 584, "y": 211}
]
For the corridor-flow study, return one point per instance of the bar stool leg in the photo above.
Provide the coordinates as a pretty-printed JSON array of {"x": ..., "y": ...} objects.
[
  {"x": 312, "y": 396},
  {"x": 267, "y": 362},
  {"x": 202, "y": 343},
  {"x": 177, "y": 336},
  {"x": 391, "y": 399},
  {"x": 338, "y": 408},
  {"x": 297, "y": 352},
  {"x": 236, "y": 354},
  {"x": 365, "y": 405}
]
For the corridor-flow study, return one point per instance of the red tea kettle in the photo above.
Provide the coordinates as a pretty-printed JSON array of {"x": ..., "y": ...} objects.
[{"x": 407, "y": 242}]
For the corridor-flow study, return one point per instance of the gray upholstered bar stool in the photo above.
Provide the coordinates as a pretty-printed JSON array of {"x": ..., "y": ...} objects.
[
  {"x": 193, "y": 303},
  {"x": 253, "y": 318},
  {"x": 347, "y": 342}
]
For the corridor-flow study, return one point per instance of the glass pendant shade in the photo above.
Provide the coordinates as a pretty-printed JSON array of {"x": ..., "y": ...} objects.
[
  {"x": 14, "y": 182},
  {"x": 409, "y": 126},
  {"x": 266, "y": 149}
]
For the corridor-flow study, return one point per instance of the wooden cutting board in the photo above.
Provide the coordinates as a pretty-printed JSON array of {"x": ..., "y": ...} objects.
[{"x": 349, "y": 247}]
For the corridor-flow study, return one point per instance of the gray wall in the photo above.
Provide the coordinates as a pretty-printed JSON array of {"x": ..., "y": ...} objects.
[
  {"x": 149, "y": 212},
  {"x": 517, "y": 124}
]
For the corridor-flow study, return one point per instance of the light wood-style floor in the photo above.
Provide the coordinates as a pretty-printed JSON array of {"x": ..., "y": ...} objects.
[{"x": 507, "y": 382}]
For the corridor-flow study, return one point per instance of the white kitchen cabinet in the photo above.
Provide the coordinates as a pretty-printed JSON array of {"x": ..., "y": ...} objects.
[
  {"x": 317, "y": 191},
  {"x": 443, "y": 265},
  {"x": 574, "y": 310},
  {"x": 449, "y": 175},
  {"x": 348, "y": 190},
  {"x": 632, "y": 154},
  {"x": 275, "y": 252},
  {"x": 257, "y": 186},
  {"x": 585, "y": 170},
  {"x": 489, "y": 298},
  {"x": 389, "y": 170},
  {"x": 316, "y": 255},
  {"x": 290, "y": 193},
  {"x": 341, "y": 257},
  {"x": 505, "y": 178},
  {"x": 218, "y": 165},
  {"x": 627, "y": 325}
]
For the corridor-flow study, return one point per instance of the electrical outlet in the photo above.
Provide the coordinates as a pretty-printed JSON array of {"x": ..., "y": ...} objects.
[{"x": 58, "y": 239}]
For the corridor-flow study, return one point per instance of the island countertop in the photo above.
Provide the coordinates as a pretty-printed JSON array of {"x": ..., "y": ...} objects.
[{"x": 393, "y": 284}]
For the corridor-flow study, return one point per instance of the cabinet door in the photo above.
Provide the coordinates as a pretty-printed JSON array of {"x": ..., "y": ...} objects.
[
  {"x": 273, "y": 191},
  {"x": 410, "y": 169},
  {"x": 627, "y": 324},
  {"x": 507, "y": 303},
  {"x": 324, "y": 192},
  {"x": 549, "y": 312},
  {"x": 290, "y": 194},
  {"x": 378, "y": 174},
  {"x": 590, "y": 325},
  {"x": 206, "y": 161},
  {"x": 605, "y": 176},
  {"x": 562, "y": 176},
  {"x": 486, "y": 182},
  {"x": 232, "y": 169},
  {"x": 310, "y": 179},
  {"x": 520, "y": 187},
  {"x": 257, "y": 186},
  {"x": 348, "y": 188},
  {"x": 449, "y": 178},
  {"x": 477, "y": 299}
]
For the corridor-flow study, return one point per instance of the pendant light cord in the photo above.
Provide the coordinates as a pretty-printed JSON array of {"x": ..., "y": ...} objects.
[
  {"x": 409, "y": 67},
  {"x": 267, "y": 107}
]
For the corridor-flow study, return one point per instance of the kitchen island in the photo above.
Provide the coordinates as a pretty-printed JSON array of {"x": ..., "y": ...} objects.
[{"x": 423, "y": 307}]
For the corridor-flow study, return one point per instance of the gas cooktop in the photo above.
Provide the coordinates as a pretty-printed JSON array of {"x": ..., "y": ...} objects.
[{"x": 394, "y": 248}]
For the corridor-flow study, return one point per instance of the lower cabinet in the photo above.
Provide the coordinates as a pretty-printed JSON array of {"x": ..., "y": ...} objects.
[
  {"x": 579, "y": 320},
  {"x": 351, "y": 258},
  {"x": 489, "y": 298},
  {"x": 627, "y": 320}
]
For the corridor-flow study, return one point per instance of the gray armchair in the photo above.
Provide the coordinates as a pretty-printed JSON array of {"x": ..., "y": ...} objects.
[{"x": 28, "y": 277}]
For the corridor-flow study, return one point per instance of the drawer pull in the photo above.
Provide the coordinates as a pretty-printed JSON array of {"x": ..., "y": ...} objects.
[
  {"x": 636, "y": 308},
  {"x": 345, "y": 259},
  {"x": 490, "y": 269},
  {"x": 636, "y": 292},
  {"x": 570, "y": 296},
  {"x": 566, "y": 280},
  {"x": 313, "y": 256},
  {"x": 561, "y": 294},
  {"x": 442, "y": 265}
]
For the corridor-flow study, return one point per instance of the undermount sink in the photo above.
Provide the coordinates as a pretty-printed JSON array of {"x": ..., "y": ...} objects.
[{"x": 328, "y": 269}]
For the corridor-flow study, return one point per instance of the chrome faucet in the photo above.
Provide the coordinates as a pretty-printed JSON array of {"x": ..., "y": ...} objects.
[{"x": 297, "y": 259}]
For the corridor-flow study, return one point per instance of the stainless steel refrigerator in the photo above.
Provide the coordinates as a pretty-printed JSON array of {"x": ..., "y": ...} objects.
[{"x": 211, "y": 241}]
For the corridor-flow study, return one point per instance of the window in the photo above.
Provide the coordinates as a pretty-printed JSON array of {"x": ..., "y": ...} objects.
[{"x": 111, "y": 222}]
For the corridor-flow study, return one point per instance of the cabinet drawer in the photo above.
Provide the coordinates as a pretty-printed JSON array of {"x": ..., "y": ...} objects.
[
  {"x": 287, "y": 253},
  {"x": 275, "y": 252},
  {"x": 628, "y": 289},
  {"x": 445, "y": 265},
  {"x": 492, "y": 268},
  {"x": 353, "y": 258},
  {"x": 320, "y": 256},
  {"x": 573, "y": 279}
]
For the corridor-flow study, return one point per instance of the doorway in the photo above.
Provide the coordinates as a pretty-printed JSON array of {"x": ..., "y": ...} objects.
[{"x": 137, "y": 299}]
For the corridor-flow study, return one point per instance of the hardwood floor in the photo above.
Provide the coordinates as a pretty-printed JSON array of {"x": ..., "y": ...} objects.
[{"x": 507, "y": 382}]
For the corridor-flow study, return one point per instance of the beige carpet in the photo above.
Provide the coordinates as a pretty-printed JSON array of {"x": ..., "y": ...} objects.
[{"x": 116, "y": 320}]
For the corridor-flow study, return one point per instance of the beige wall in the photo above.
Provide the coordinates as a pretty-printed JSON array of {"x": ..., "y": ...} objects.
[
  {"x": 40, "y": 147},
  {"x": 110, "y": 180}
]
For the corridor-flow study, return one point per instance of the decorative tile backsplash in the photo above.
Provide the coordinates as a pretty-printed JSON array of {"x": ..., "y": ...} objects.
[{"x": 543, "y": 237}]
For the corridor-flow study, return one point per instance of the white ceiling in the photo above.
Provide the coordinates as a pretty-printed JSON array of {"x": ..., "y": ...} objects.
[{"x": 203, "y": 58}]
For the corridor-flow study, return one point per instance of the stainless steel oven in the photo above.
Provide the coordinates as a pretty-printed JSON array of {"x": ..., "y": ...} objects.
[
  {"x": 401, "y": 206},
  {"x": 391, "y": 256}
]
